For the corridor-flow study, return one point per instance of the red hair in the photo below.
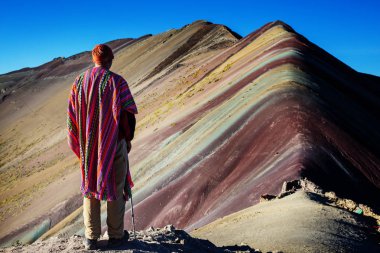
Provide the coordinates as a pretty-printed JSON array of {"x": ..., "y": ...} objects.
[{"x": 102, "y": 54}]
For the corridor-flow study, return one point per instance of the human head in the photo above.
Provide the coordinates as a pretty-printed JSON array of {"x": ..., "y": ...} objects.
[{"x": 102, "y": 55}]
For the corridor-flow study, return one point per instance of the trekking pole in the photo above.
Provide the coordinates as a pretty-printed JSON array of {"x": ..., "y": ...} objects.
[
  {"x": 129, "y": 189},
  {"x": 133, "y": 217},
  {"x": 128, "y": 192}
]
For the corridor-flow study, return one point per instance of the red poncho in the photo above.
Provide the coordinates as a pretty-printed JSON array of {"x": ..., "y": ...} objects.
[{"x": 96, "y": 100}]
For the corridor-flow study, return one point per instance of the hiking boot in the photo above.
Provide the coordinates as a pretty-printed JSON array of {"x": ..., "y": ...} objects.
[
  {"x": 90, "y": 244},
  {"x": 117, "y": 242}
]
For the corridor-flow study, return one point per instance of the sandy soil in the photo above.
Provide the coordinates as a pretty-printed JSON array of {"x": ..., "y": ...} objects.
[{"x": 301, "y": 222}]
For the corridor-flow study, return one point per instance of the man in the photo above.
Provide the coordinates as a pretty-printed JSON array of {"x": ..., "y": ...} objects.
[{"x": 101, "y": 125}]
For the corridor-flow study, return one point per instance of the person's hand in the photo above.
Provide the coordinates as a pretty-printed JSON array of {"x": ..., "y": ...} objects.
[{"x": 129, "y": 146}]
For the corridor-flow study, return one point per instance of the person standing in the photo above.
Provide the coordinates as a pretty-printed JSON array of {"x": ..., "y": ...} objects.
[{"x": 101, "y": 123}]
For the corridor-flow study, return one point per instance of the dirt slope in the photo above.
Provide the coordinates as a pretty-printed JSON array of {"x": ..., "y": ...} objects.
[{"x": 301, "y": 222}]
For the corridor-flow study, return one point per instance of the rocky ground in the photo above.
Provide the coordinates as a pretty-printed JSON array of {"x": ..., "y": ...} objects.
[
  {"x": 167, "y": 239},
  {"x": 302, "y": 218}
]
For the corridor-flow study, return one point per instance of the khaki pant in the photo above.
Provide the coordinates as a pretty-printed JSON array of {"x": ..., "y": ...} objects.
[{"x": 115, "y": 209}]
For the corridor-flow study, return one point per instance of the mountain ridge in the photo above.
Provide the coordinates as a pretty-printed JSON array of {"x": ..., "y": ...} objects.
[
  {"x": 308, "y": 161},
  {"x": 33, "y": 145},
  {"x": 220, "y": 127}
]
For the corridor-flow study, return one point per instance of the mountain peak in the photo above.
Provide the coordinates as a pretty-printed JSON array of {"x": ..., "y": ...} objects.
[{"x": 222, "y": 121}]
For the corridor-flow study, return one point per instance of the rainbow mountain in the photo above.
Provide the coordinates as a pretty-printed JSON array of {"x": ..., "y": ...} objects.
[{"x": 223, "y": 120}]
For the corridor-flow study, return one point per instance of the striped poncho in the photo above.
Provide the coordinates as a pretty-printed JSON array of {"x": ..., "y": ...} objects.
[{"x": 96, "y": 100}]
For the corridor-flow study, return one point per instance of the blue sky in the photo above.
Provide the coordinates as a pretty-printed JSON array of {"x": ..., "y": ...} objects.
[{"x": 35, "y": 32}]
